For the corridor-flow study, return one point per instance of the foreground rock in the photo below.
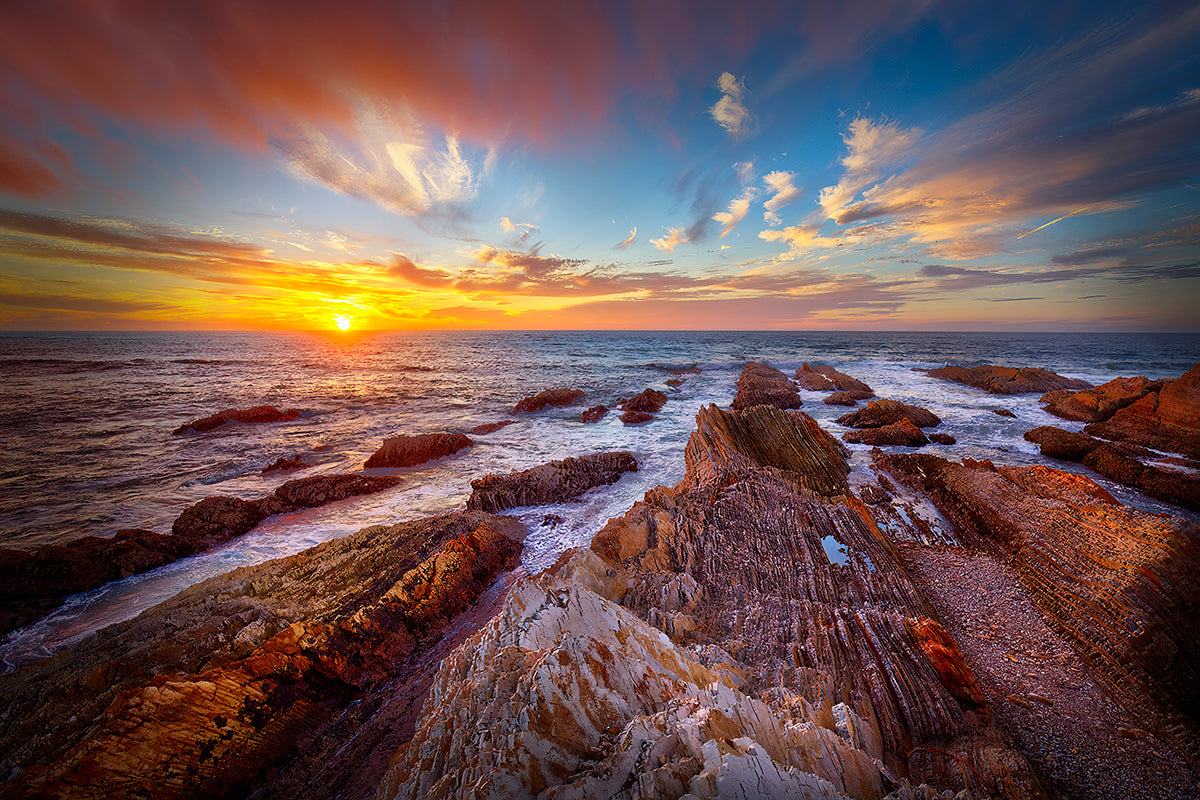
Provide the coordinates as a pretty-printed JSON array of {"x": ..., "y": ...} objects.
[
  {"x": 760, "y": 385},
  {"x": 1120, "y": 463},
  {"x": 1166, "y": 419},
  {"x": 549, "y": 483},
  {"x": 256, "y": 414},
  {"x": 1119, "y": 583},
  {"x": 306, "y": 669},
  {"x": 889, "y": 412},
  {"x": 550, "y": 397},
  {"x": 409, "y": 451},
  {"x": 32, "y": 584},
  {"x": 1100, "y": 403},
  {"x": 829, "y": 379},
  {"x": 1008, "y": 380}
]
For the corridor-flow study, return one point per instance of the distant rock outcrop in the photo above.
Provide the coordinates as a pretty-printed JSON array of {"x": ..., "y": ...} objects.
[
  {"x": 593, "y": 414},
  {"x": 760, "y": 385},
  {"x": 888, "y": 412},
  {"x": 636, "y": 417},
  {"x": 553, "y": 482},
  {"x": 492, "y": 427},
  {"x": 1100, "y": 403},
  {"x": 827, "y": 378},
  {"x": 256, "y": 414},
  {"x": 1008, "y": 380},
  {"x": 409, "y": 451},
  {"x": 648, "y": 400},
  {"x": 550, "y": 397},
  {"x": 285, "y": 464}
]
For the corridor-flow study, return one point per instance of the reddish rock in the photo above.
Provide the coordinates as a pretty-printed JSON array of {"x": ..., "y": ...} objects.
[
  {"x": 1057, "y": 443},
  {"x": 550, "y": 397},
  {"x": 215, "y": 520},
  {"x": 814, "y": 381},
  {"x": 647, "y": 400},
  {"x": 948, "y": 662},
  {"x": 760, "y": 385},
  {"x": 1004, "y": 412},
  {"x": 491, "y": 427},
  {"x": 887, "y": 412},
  {"x": 409, "y": 451},
  {"x": 841, "y": 399},
  {"x": 1100, "y": 403},
  {"x": 902, "y": 433},
  {"x": 810, "y": 378},
  {"x": 676, "y": 382},
  {"x": 593, "y": 414},
  {"x": 636, "y": 417},
  {"x": 285, "y": 464},
  {"x": 549, "y": 483},
  {"x": 942, "y": 438},
  {"x": 1168, "y": 419},
  {"x": 1008, "y": 380},
  {"x": 256, "y": 414}
]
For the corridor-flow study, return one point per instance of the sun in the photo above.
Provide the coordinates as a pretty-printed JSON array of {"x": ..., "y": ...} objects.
[{"x": 342, "y": 322}]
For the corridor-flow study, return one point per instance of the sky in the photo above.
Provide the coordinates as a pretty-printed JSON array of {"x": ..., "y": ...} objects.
[{"x": 623, "y": 164}]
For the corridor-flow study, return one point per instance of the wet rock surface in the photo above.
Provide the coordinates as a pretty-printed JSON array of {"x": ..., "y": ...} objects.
[
  {"x": 549, "y": 398},
  {"x": 1167, "y": 419},
  {"x": 492, "y": 427},
  {"x": 889, "y": 412},
  {"x": 636, "y": 417},
  {"x": 903, "y": 433},
  {"x": 252, "y": 415},
  {"x": 283, "y": 464},
  {"x": 1100, "y": 403},
  {"x": 824, "y": 378},
  {"x": 761, "y": 385},
  {"x": 593, "y": 414},
  {"x": 409, "y": 451},
  {"x": 549, "y": 483},
  {"x": 1008, "y": 380},
  {"x": 647, "y": 400}
]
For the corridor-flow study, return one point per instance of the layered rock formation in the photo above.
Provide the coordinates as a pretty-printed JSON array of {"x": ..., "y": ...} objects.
[
  {"x": 32, "y": 584},
  {"x": 256, "y": 414},
  {"x": 889, "y": 412},
  {"x": 648, "y": 400},
  {"x": 829, "y": 379},
  {"x": 549, "y": 483},
  {"x": 903, "y": 433},
  {"x": 1166, "y": 419},
  {"x": 1101, "y": 402},
  {"x": 409, "y": 451},
  {"x": 593, "y": 414},
  {"x": 550, "y": 397},
  {"x": 304, "y": 668},
  {"x": 1008, "y": 380},
  {"x": 760, "y": 385}
]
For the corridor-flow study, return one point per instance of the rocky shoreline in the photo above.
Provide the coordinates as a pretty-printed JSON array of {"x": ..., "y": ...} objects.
[{"x": 771, "y": 626}]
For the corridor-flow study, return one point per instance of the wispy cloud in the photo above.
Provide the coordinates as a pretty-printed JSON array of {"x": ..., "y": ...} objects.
[
  {"x": 783, "y": 192},
  {"x": 730, "y": 111},
  {"x": 628, "y": 240},
  {"x": 738, "y": 209},
  {"x": 674, "y": 238}
]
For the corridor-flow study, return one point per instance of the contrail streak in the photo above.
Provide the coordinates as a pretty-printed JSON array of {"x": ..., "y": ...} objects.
[{"x": 1048, "y": 224}]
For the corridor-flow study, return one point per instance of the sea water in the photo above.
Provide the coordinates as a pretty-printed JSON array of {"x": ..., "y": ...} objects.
[{"x": 86, "y": 422}]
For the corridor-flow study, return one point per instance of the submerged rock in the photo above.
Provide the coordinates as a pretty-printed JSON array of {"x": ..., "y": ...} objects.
[
  {"x": 553, "y": 482},
  {"x": 254, "y": 415},
  {"x": 942, "y": 438},
  {"x": 1008, "y": 380},
  {"x": 647, "y": 400},
  {"x": 593, "y": 414},
  {"x": 888, "y": 412},
  {"x": 492, "y": 427},
  {"x": 285, "y": 464},
  {"x": 409, "y": 451},
  {"x": 636, "y": 417},
  {"x": 760, "y": 385},
  {"x": 846, "y": 398},
  {"x": 550, "y": 397}
]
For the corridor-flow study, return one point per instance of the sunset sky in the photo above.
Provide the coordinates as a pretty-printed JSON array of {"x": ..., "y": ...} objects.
[{"x": 845, "y": 164}]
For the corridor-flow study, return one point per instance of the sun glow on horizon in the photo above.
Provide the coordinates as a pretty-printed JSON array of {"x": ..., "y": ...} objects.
[{"x": 342, "y": 322}]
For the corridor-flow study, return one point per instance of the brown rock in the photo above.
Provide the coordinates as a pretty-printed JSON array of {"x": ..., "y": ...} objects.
[
  {"x": 814, "y": 381},
  {"x": 491, "y": 427},
  {"x": 647, "y": 400},
  {"x": 1168, "y": 419},
  {"x": 942, "y": 438},
  {"x": 593, "y": 414},
  {"x": 887, "y": 412},
  {"x": 808, "y": 379},
  {"x": 409, "y": 451},
  {"x": 636, "y": 417},
  {"x": 760, "y": 385},
  {"x": 215, "y": 520},
  {"x": 285, "y": 464},
  {"x": 676, "y": 382},
  {"x": 1008, "y": 380},
  {"x": 1100, "y": 403},
  {"x": 902, "y": 433},
  {"x": 1057, "y": 443},
  {"x": 1004, "y": 412},
  {"x": 549, "y": 483},
  {"x": 842, "y": 399},
  {"x": 948, "y": 662},
  {"x": 550, "y": 397},
  {"x": 256, "y": 414}
]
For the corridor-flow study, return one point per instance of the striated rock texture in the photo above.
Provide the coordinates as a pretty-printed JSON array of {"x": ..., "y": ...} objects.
[
  {"x": 256, "y": 414},
  {"x": 646, "y": 401},
  {"x": 760, "y": 385},
  {"x": 888, "y": 412},
  {"x": 593, "y": 414},
  {"x": 1167, "y": 419},
  {"x": 828, "y": 378},
  {"x": 842, "y": 398},
  {"x": 32, "y": 584},
  {"x": 1120, "y": 463},
  {"x": 902, "y": 433},
  {"x": 409, "y": 451},
  {"x": 1008, "y": 380},
  {"x": 1100, "y": 403},
  {"x": 189, "y": 702},
  {"x": 550, "y": 397},
  {"x": 549, "y": 483},
  {"x": 492, "y": 427},
  {"x": 1118, "y": 583}
]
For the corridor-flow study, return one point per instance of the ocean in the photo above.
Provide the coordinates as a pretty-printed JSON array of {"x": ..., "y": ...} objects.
[{"x": 86, "y": 421}]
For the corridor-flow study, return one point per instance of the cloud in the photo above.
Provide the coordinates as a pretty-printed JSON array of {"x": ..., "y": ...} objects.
[
  {"x": 730, "y": 112},
  {"x": 784, "y": 192},
  {"x": 628, "y": 240},
  {"x": 674, "y": 238},
  {"x": 523, "y": 229},
  {"x": 745, "y": 171},
  {"x": 403, "y": 267},
  {"x": 738, "y": 208},
  {"x": 870, "y": 147}
]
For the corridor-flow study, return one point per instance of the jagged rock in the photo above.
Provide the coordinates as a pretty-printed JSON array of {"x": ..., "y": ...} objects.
[
  {"x": 810, "y": 378},
  {"x": 942, "y": 438},
  {"x": 1004, "y": 412},
  {"x": 1057, "y": 443},
  {"x": 285, "y": 464},
  {"x": 636, "y": 417},
  {"x": 760, "y": 385},
  {"x": 887, "y": 412},
  {"x": 1100, "y": 403},
  {"x": 491, "y": 427},
  {"x": 846, "y": 398},
  {"x": 902, "y": 433},
  {"x": 315, "y": 639},
  {"x": 647, "y": 400},
  {"x": 549, "y": 483},
  {"x": 409, "y": 451},
  {"x": 1008, "y": 380},
  {"x": 256, "y": 414},
  {"x": 1118, "y": 582},
  {"x": 1168, "y": 419},
  {"x": 32, "y": 584},
  {"x": 550, "y": 397},
  {"x": 675, "y": 382},
  {"x": 594, "y": 414}
]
